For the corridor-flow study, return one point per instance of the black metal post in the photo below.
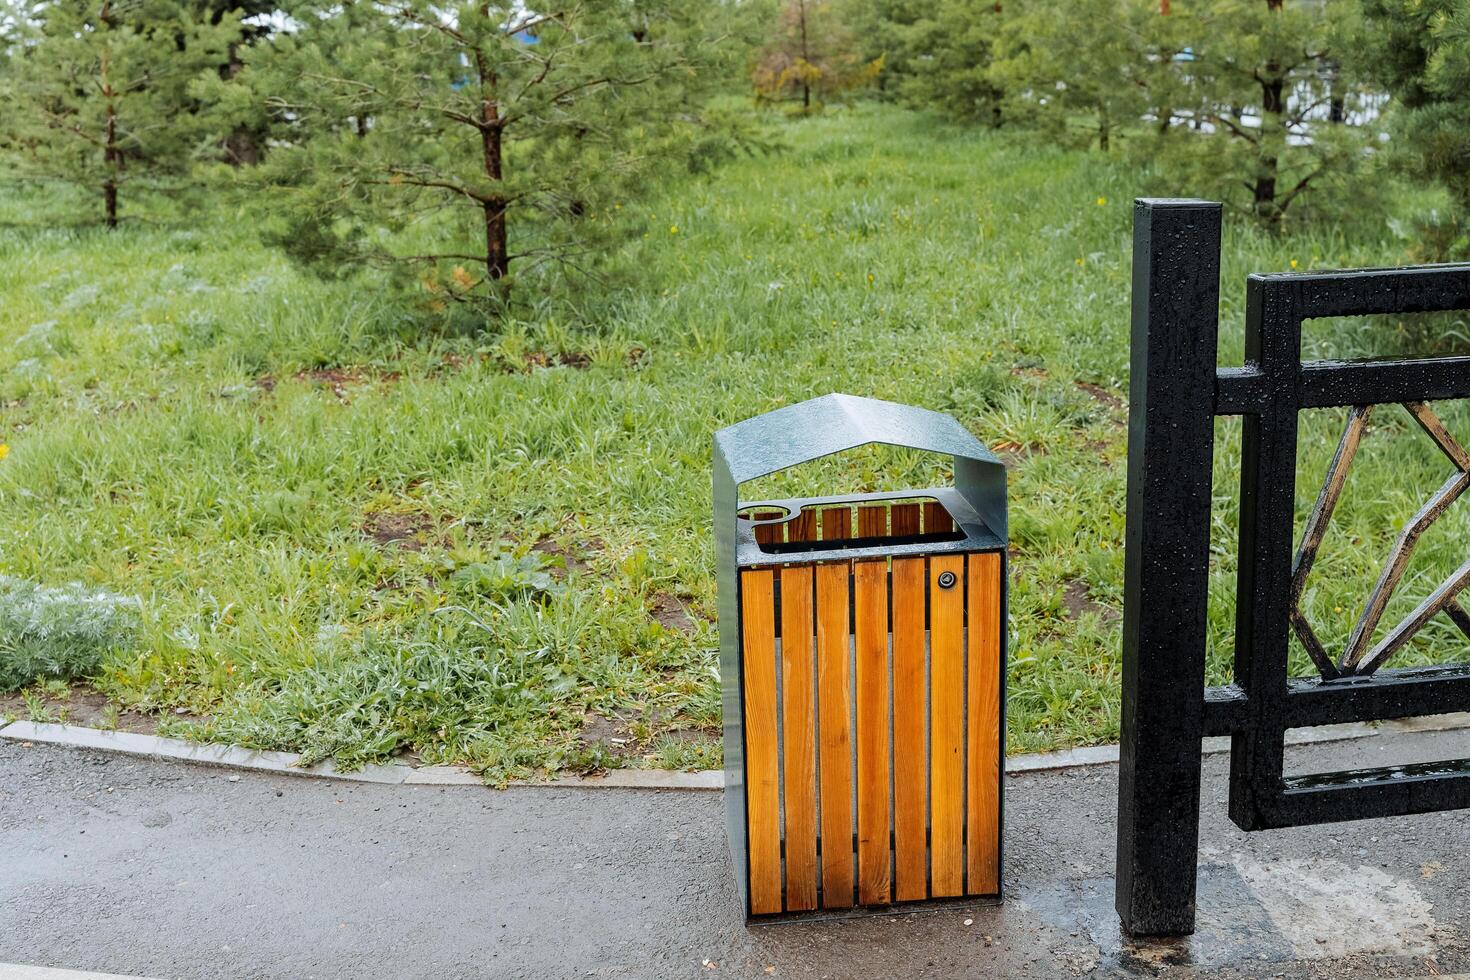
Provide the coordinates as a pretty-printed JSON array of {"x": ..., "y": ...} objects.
[
  {"x": 1176, "y": 290},
  {"x": 1263, "y": 592}
]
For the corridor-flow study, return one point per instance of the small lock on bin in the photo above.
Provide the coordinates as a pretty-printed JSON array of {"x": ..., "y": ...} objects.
[{"x": 862, "y": 652}]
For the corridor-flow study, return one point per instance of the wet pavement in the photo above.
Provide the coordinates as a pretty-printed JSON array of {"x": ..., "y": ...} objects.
[{"x": 168, "y": 870}]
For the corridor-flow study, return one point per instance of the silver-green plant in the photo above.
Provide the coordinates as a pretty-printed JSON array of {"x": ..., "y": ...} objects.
[{"x": 59, "y": 631}]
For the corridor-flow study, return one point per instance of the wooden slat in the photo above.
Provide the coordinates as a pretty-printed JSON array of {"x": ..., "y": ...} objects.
[
  {"x": 768, "y": 533},
  {"x": 983, "y": 857},
  {"x": 947, "y": 725},
  {"x": 762, "y": 794},
  {"x": 870, "y": 588},
  {"x": 873, "y": 521},
  {"x": 905, "y": 519},
  {"x": 834, "y": 725},
  {"x": 799, "y": 737},
  {"x": 910, "y": 774},
  {"x": 836, "y": 523},
  {"x": 937, "y": 519},
  {"x": 802, "y": 527}
]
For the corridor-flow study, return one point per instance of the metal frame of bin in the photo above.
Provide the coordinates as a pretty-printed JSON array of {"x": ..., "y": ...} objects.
[{"x": 809, "y": 431}]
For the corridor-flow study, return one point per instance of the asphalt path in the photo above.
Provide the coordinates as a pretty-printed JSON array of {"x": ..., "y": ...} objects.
[{"x": 157, "y": 869}]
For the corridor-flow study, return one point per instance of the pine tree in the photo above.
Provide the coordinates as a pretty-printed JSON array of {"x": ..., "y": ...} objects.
[
  {"x": 942, "y": 54},
  {"x": 1081, "y": 65},
  {"x": 813, "y": 51},
  {"x": 1420, "y": 51},
  {"x": 877, "y": 26},
  {"x": 1260, "y": 101},
  {"x": 96, "y": 92},
  {"x": 243, "y": 138},
  {"x": 460, "y": 145}
]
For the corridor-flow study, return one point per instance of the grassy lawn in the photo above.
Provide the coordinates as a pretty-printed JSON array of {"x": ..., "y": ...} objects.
[{"x": 351, "y": 537}]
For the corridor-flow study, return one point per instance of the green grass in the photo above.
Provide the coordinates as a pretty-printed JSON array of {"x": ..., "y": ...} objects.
[{"x": 195, "y": 423}]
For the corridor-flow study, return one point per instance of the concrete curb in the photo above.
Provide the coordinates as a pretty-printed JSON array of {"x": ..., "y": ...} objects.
[{"x": 289, "y": 763}]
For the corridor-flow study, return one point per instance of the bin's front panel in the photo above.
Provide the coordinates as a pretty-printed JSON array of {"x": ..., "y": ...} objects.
[{"x": 873, "y": 721}]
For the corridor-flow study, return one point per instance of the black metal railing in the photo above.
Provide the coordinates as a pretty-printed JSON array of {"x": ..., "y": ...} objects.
[{"x": 1176, "y": 393}]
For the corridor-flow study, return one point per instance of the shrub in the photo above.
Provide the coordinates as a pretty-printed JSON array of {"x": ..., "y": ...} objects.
[{"x": 60, "y": 632}]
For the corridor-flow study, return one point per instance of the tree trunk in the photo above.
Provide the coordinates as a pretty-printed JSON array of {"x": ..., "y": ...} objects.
[
  {"x": 806, "y": 88},
  {"x": 1336, "y": 103},
  {"x": 242, "y": 147},
  {"x": 111, "y": 158},
  {"x": 1103, "y": 128},
  {"x": 497, "y": 252},
  {"x": 1272, "y": 137}
]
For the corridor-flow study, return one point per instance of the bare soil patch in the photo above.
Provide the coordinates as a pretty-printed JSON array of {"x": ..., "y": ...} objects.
[
  {"x": 82, "y": 705},
  {"x": 1078, "y": 602},
  {"x": 402, "y": 530},
  {"x": 577, "y": 360},
  {"x": 1101, "y": 395},
  {"x": 566, "y": 554},
  {"x": 673, "y": 613},
  {"x": 617, "y": 739}
]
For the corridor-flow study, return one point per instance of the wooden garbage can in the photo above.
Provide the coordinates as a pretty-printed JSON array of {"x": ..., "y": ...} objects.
[{"x": 863, "y": 662}]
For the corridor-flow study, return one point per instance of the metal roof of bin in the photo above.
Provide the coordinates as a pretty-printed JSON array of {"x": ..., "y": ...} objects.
[{"x": 836, "y": 423}]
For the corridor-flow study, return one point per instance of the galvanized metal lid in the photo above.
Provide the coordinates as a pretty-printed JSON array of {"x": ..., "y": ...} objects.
[{"x": 836, "y": 423}]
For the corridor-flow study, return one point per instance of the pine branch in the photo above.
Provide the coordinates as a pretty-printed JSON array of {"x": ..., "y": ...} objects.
[
  {"x": 440, "y": 257},
  {"x": 570, "y": 90},
  {"x": 414, "y": 180},
  {"x": 1237, "y": 130},
  {"x": 1301, "y": 185},
  {"x": 1300, "y": 117}
]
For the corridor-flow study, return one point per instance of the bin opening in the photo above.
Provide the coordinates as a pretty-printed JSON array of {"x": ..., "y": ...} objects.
[{"x": 831, "y": 525}]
